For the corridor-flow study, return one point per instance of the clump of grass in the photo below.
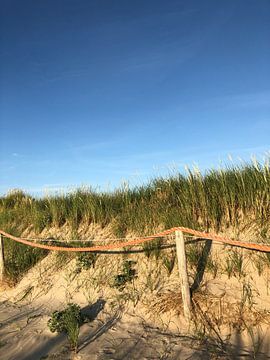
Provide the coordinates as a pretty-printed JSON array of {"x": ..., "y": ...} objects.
[
  {"x": 235, "y": 264},
  {"x": 19, "y": 259}
]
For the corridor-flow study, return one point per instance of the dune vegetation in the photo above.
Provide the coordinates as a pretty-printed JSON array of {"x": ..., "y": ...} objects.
[
  {"x": 229, "y": 286},
  {"x": 231, "y": 197}
]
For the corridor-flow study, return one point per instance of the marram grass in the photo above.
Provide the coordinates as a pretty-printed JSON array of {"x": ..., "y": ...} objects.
[
  {"x": 218, "y": 199},
  {"x": 228, "y": 197}
]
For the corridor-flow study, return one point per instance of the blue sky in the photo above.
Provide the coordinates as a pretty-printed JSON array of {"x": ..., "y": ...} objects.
[{"x": 98, "y": 92}]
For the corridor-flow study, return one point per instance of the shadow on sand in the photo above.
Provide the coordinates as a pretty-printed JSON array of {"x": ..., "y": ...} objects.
[{"x": 60, "y": 341}]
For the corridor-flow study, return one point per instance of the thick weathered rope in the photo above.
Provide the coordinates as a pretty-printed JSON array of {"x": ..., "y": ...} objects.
[{"x": 133, "y": 242}]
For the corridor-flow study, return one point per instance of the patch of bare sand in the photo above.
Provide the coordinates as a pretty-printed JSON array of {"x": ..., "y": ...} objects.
[{"x": 111, "y": 335}]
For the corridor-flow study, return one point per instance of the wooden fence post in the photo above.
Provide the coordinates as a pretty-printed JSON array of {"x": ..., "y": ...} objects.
[
  {"x": 182, "y": 266},
  {"x": 2, "y": 259}
]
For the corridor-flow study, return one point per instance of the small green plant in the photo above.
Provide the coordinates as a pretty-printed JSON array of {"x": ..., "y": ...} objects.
[
  {"x": 127, "y": 275},
  {"x": 85, "y": 260},
  {"x": 68, "y": 321}
]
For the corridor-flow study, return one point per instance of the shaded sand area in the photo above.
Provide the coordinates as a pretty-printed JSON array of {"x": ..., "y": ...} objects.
[
  {"x": 25, "y": 336},
  {"x": 109, "y": 336}
]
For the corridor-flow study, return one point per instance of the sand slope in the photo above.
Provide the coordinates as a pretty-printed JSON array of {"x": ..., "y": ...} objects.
[{"x": 143, "y": 321}]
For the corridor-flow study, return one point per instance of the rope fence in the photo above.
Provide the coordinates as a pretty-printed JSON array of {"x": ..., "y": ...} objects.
[
  {"x": 178, "y": 233},
  {"x": 135, "y": 241}
]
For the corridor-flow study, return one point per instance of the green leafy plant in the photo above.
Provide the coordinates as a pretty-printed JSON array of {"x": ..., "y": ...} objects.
[
  {"x": 127, "y": 275},
  {"x": 68, "y": 321},
  {"x": 85, "y": 260}
]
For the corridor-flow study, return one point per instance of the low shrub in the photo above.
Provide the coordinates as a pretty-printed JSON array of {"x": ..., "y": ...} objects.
[{"x": 69, "y": 322}]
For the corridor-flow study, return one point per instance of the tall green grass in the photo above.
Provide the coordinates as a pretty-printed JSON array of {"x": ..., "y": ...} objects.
[{"x": 216, "y": 200}]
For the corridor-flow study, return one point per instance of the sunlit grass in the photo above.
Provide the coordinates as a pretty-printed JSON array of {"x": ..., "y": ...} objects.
[
  {"x": 220, "y": 198},
  {"x": 214, "y": 201}
]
